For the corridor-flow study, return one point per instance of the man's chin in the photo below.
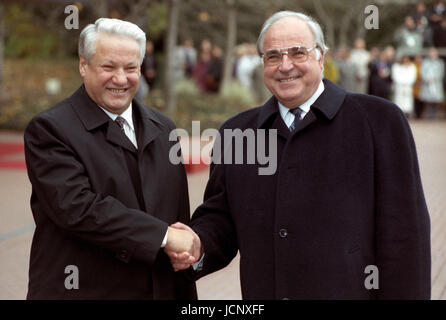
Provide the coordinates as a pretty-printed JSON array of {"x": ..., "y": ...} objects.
[{"x": 115, "y": 107}]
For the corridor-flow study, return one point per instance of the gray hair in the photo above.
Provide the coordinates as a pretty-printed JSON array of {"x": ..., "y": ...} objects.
[
  {"x": 312, "y": 24},
  {"x": 89, "y": 35}
]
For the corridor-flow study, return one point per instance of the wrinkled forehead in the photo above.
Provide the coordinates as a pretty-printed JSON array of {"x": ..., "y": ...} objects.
[{"x": 288, "y": 32}]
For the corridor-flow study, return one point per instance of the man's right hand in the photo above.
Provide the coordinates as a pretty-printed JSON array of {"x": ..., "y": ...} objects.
[
  {"x": 179, "y": 241},
  {"x": 183, "y": 259}
]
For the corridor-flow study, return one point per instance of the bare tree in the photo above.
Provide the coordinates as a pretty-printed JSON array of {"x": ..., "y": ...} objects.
[
  {"x": 231, "y": 39},
  {"x": 136, "y": 14},
  {"x": 328, "y": 21},
  {"x": 170, "y": 44}
]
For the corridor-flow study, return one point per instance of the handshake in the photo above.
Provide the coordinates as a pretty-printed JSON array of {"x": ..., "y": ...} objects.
[{"x": 183, "y": 246}]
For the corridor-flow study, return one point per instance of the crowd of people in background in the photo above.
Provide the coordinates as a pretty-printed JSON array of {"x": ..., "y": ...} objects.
[
  {"x": 205, "y": 67},
  {"x": 409, "y": 72}
]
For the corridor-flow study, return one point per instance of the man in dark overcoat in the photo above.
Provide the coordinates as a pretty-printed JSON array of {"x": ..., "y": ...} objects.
[
  {"x": 103, "y": 188},
  {"x": 343, "y": 216}
]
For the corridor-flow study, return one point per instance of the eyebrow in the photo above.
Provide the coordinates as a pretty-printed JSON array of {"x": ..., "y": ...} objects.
[{"x": 281, "y": 49}]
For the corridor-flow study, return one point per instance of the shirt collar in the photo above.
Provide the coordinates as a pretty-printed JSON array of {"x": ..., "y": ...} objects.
[
  {"x": 127, "y": 115},
  {"x": 306, "y": 105}
]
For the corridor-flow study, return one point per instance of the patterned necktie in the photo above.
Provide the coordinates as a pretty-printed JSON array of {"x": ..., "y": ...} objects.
[
  {"x": 297, "y": 114},
  {"x": 120, "y": 121}
]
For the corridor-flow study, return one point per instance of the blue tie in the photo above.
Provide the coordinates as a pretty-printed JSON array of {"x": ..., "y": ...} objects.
[{"x": 297, "y": 114}]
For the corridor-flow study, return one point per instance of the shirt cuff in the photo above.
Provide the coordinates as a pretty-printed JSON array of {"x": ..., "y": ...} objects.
[
  {"x": 163, "y": 244},
  {"x": 198, "y": 266}
]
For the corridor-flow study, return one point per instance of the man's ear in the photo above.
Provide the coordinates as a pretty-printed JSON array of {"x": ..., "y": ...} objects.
[
  {"x": 320, "y": 56},
  {"x": 82, "y": 65}
]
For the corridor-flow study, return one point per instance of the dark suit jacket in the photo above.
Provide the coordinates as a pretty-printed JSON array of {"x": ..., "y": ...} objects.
[
  {"x": 346, "y": 194},
  {"x": 102, "y": 205}
]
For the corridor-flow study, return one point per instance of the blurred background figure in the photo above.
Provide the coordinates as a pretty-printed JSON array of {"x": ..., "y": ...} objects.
[
  {"x": 215, "y": 70},
  {"x": 408, "y": 39},
  {"x": 372, "y": 66},
  {"x": 360, "y": 57},
  {"x": 422, "y": 24},
  {"x": 440, "y": 34},
  {"x": 381, "y": 80},
  {"x": 432, "y": 73},
  {"x": 148, "y": 72},
  {"x": 346, "y": 68},
  {"x": 148, "y": 67},
  {"x": 331, "y": 71},
  {"x": 200, "y": 70},
  {"x": 185, "y": 58},
  {"x": 404, "y": 75},
  {"x": 188, "y": 56},
  {"x": 246, "y": 65},
  {"x": 418, "y": 104},
  {"x": 437, "y": 13}
]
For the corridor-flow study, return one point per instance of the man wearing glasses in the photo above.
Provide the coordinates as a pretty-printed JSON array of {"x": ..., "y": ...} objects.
[{"x": 344, "y": 215}]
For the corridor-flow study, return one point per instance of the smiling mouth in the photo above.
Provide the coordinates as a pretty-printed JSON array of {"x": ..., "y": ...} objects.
[
  {"x": 288, "y": 79},
  {"x": 118, "y": 90}
]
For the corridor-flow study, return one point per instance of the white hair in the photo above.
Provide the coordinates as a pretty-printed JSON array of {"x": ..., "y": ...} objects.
[
  {"x": 315, "y": 28},
  {"x": 89, "y": 35}
]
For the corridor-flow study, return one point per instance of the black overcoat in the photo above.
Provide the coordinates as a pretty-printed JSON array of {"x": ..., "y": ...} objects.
[
  {"x": 346, "y": 195},
  {"x": 103, "y": 206}
]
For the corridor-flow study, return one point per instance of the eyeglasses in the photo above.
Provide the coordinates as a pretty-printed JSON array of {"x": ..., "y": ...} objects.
[{"x": 297, "y": 54}]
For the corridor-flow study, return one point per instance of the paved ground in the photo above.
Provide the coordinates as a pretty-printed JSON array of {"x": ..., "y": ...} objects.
[{"x": 16, "y": 224}]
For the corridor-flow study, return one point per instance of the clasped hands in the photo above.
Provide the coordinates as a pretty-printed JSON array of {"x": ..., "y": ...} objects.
[{"x": 183, "y": 246}]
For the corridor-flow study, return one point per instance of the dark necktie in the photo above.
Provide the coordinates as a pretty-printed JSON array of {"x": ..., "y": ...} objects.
[
  {"x": 297, "y": 114},
  {"x": 120, "y": 121}
]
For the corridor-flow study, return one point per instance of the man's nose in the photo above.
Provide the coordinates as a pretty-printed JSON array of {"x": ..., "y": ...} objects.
[
  {"x": 286, "y": 64},
  {"x": 120, "y": 77}
]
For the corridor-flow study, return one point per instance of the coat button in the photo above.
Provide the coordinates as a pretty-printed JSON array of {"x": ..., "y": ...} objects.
[
  {"x": 283, "y": 233},
  {"x": 124, "y": 254}
]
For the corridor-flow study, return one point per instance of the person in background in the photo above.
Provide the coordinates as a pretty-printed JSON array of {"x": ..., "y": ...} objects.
[
  {"x": 418, "y": 104},
  {"x": 347, "y": 70},
  {"x": 185, "y": 58},
  {"x": 373, "y": 66},
  {"x": 381, "y": 79},
  {"x": 148, "y": 71},
  {"x": 215, "y": 70},
  {"x": 421, "y": 19},
  {"x": 331, "y": 70},
  {"x": 408, "y": 39},
  {"x": 360, "y": 58},
  {"x": 246, "y": 65},
  {"x": 200, "y": 70},
  {"x": 148, "y": 67},
  {"x": 404, "y": 75},
  {"x": 432, "y": 74}
]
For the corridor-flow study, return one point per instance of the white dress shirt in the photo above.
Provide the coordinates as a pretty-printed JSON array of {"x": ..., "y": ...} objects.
[
  {"x": 288, "y": 116},
  {"x": 129, "y": 128}
]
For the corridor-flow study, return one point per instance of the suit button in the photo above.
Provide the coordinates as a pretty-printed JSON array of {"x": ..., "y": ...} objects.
[
  {"x": 124, "y": 254},
  {"x": 283, "y": 233}
]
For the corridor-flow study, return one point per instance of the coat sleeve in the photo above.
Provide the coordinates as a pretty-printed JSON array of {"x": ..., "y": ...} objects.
[
  {"x": 213, "y": 223},
  {"x": 62, "y": 193},
  {"x": 403, "y": 254}
]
